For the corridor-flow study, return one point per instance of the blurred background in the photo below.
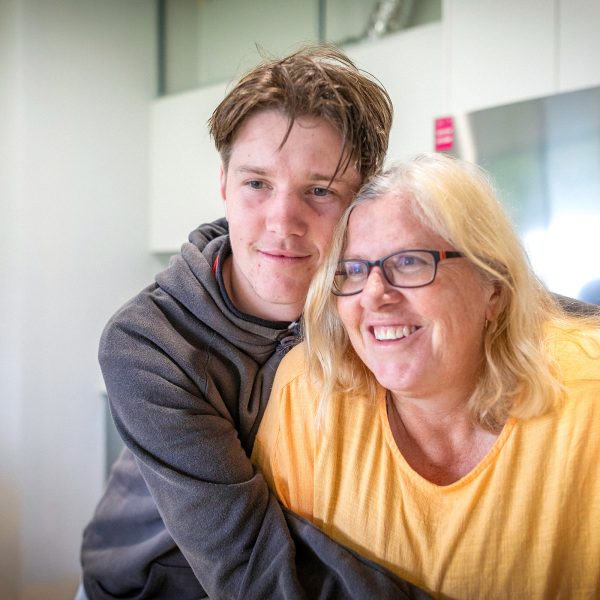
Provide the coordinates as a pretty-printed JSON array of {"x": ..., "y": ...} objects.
[{"x": 106, "y": 165}]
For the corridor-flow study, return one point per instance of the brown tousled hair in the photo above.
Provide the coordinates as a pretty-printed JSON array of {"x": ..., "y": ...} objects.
[{"x": 317, "y": 82}]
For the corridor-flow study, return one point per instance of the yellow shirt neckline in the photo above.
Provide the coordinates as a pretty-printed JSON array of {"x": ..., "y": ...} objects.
[{"x": 419, "y": 480}]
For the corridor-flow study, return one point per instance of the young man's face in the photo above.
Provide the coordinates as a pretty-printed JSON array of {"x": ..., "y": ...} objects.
[{"x": 281, "y": 210}]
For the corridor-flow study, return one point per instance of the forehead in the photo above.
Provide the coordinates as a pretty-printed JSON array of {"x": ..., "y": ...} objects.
[
  {"x": 312, "y": 149},
  {"x": 271, "y": 126},
  {"x": 386, "y": 225}
]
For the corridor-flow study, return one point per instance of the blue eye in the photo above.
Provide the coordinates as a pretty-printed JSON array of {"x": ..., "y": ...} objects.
[
  {"x": 406, "y": 260},
  {"x": 321, "y": 192},
  {"x": 354, "y": 269},
  {"x": 255, "y": 184},
  {"x": 407, "y": 263}
]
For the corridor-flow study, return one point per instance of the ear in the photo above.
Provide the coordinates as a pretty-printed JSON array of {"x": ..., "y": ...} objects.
[
  {"x": 222, "y": 186},
  {"x": 496, "y": 301}
]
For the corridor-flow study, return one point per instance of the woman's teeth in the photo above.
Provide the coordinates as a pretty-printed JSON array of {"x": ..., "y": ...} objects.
[{"x": 393, "y": 333}]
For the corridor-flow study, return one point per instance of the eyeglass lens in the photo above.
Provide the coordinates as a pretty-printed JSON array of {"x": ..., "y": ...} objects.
[{"x": 404, "y": 269}]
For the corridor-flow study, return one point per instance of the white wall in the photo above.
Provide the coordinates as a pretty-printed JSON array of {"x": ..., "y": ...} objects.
[
  {"x": 10, "y": 489},
  {"x": 409, "y": 65},
  {"x": 77, "y": 78},
  {"x": 184, "y": 166}
]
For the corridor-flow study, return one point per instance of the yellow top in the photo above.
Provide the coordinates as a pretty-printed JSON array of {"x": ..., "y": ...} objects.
[{"x": 524, "y": 523}]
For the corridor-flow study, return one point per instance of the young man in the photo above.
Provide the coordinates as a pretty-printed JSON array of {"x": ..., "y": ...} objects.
[{"x": 189, "y": 362}]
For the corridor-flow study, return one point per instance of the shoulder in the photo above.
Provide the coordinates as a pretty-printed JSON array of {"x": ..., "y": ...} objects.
[
  {"x": 152, "y": 332},
  {"x": 285, "y": 443},
  {"x": 577, "y": 354},
  {"x": 183, "y": 302},
  {"x": 142, "y": 316},
  {"x": 291, "y": 404},
  {"x": 292, "y": 366},
  {"x": 291, "y": 386},
  {"x": 131, "y": 320}
]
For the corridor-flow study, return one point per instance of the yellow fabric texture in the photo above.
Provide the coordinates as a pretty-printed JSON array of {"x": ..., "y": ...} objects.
[{"x": 525, "y": 523}]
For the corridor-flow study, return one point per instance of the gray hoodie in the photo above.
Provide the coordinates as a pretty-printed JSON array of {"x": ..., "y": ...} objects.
[{"x": 188, "y": 377}]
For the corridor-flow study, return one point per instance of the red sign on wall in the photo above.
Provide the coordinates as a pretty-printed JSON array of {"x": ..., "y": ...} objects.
[{"x": 444, "y": 134}]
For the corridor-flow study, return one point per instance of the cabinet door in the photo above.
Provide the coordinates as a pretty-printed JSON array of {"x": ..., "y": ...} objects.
[
  {"x": 578, "y": 44},
  {"x": 499, "y": 52}
]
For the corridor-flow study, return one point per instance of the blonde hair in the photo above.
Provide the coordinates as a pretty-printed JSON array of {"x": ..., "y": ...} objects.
[{"x": 455, "y": 200}]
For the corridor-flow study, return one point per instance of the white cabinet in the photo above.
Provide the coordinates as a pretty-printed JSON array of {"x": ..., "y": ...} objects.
[
  {"x": 498, "y": 52},
  {"x": 578, "y": 44},
  {"x": 503, "y": 52},
  {"x": 184, "y": 167},
  {"x": 409, "y": 65}
]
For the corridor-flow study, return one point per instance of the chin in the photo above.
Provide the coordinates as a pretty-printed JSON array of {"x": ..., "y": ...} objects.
[
  {"x": 285, "y": 293},
  {"x": 282, "y": 296},
  {"x": 393, "y": 381}
]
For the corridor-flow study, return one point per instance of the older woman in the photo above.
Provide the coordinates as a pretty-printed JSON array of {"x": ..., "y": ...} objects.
[{"x": 458, "y": 432}]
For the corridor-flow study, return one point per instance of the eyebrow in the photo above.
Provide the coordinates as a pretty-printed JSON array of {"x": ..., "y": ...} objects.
[
  {"x": 251, "y": 169},
  {"x": 264, "y": 172}
]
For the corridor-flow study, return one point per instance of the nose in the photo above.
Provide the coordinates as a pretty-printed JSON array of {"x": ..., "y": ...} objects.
[
  {"x": 377, "y": 290},
  {"x": 286, "y": 214}
]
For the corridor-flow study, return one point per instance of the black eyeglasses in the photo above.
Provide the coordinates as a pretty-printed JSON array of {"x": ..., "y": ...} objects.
[{"x": 405, "y": 269}]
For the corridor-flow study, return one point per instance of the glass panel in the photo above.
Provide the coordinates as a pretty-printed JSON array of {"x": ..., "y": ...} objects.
[
  {"x": 210, "y": 41},
  {"x": 348, "y": 21},
  {"x": 544, "y": 155}
]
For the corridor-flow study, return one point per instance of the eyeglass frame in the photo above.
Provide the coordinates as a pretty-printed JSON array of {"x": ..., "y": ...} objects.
[{"x": 438, "y": 256}]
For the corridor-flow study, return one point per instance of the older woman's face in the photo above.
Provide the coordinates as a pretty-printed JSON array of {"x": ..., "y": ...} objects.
[{"x": 421, "y": 341}]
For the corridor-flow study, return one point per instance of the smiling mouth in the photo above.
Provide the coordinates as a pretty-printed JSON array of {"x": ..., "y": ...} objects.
[
  {"x": 283, "y": 254},
  {"x": 393, "y": 333}
]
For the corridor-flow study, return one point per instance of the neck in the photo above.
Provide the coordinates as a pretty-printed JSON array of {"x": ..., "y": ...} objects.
[{"x": 439, "y": 441}]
